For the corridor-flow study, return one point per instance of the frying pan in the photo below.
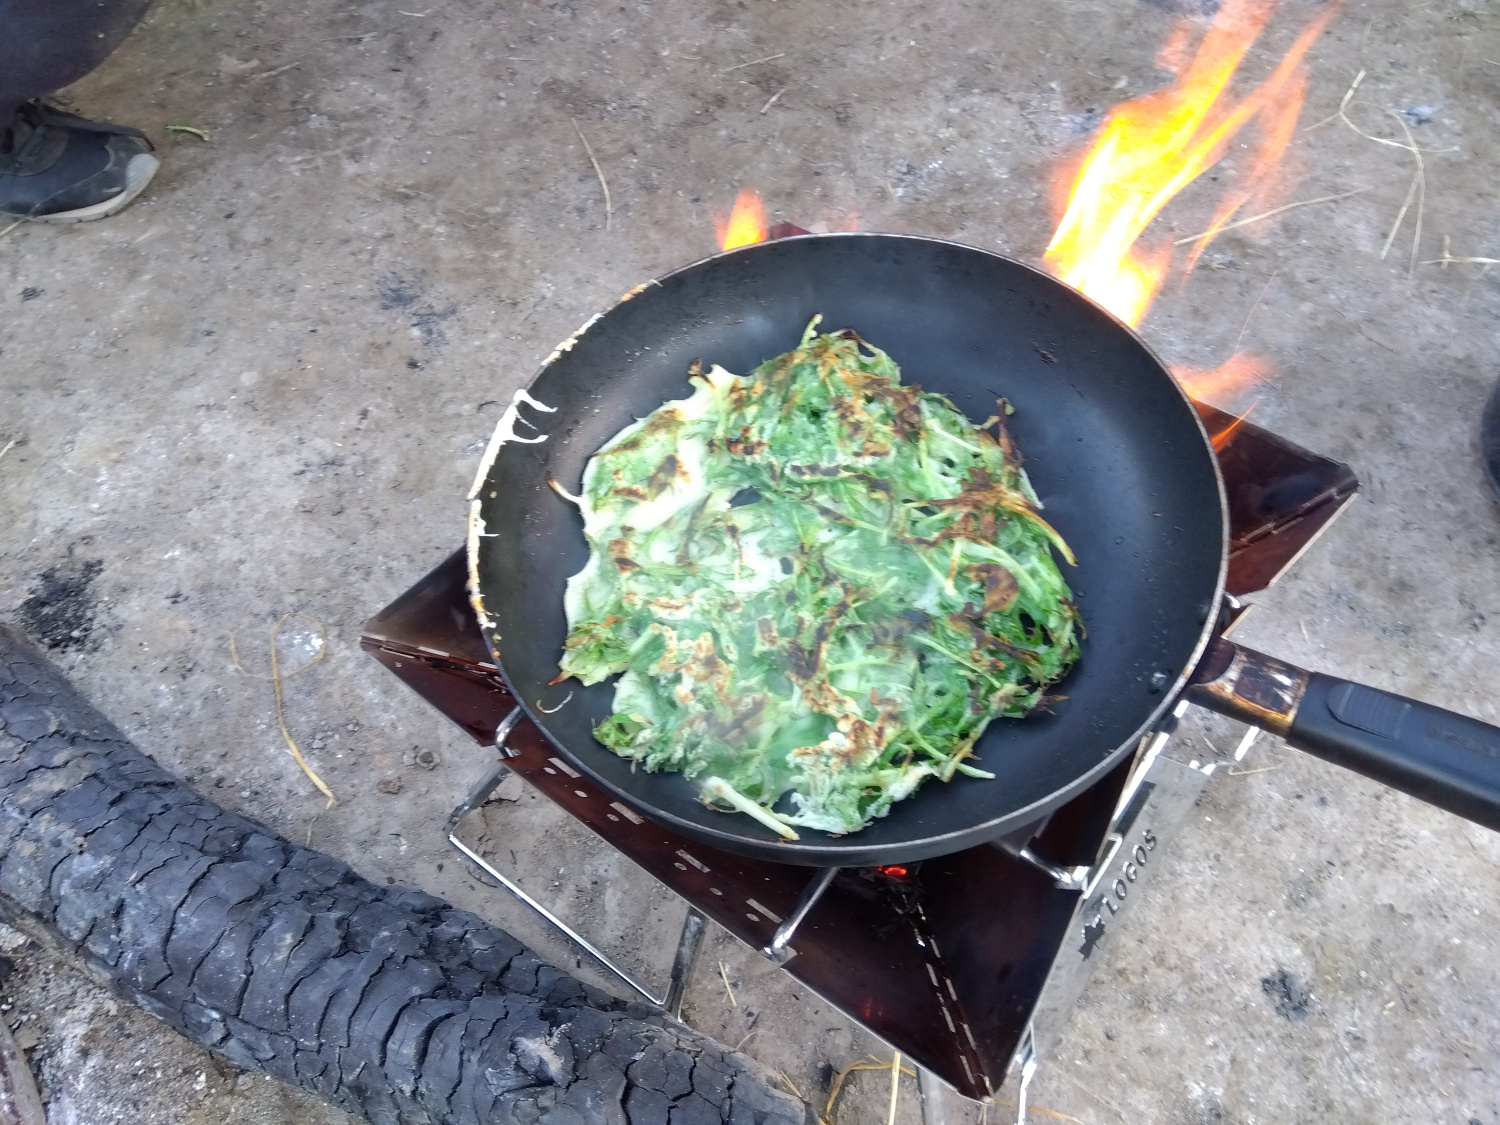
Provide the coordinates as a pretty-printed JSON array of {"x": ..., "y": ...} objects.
[{"x": 1114, "y": 448}]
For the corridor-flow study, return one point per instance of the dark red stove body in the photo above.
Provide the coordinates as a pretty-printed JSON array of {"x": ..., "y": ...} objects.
[{"x": 946, "y": 960}]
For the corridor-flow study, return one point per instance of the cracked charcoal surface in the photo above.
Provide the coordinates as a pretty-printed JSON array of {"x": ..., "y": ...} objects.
[{"x": 182, "y": 906}]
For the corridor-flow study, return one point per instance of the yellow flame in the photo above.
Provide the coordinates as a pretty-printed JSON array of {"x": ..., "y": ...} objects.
[
  {"x": 746, "y": 223},
  {"x": 1150, "y": 148}
]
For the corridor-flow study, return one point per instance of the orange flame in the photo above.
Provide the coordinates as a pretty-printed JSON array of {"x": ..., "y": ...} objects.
[
  {"x": 1231, "y": 379},
  {"x": 1223, "y": 437},
  {"x": 746, "y": 223},
  {"x": 1150, "y": 148}
]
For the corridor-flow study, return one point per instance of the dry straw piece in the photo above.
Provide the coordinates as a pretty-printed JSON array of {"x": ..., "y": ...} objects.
[
  {"x": 1417, "y": 192},
  {"x": 1272, "y": 212},
  {"x": 866, "y": 1063},
  {"x": 277, "y": 677},
  {"x": 752, "y": 62},
  {"x": 609, "y": 207}
]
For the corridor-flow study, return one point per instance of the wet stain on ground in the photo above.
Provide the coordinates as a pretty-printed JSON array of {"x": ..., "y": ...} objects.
[{"x": 63, "y": 610}]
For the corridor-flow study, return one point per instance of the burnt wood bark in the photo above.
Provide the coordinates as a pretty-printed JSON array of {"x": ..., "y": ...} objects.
[{"x": 388, "y": 1002}]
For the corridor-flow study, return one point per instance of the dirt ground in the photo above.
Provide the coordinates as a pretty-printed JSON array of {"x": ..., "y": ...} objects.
[{"x": 265, "y": 386}]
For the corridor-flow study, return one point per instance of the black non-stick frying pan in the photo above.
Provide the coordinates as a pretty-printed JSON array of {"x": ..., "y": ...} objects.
[{"x": 1114, "y": 448}]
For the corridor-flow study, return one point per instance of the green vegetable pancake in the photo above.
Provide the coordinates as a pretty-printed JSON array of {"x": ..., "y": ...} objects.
[{"x": 819, "y": 586}]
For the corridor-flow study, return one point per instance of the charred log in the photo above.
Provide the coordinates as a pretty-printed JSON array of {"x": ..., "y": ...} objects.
[{"x": 388, "y": 1002}]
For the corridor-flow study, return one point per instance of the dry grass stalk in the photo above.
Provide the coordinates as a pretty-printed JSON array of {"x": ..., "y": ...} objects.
[
  {"x": 277, "y": 678},
  {"x": 1418, "y": 188},
  {"x": 12, "y": 227},
  {"x": 1447, "y": 260},
  {"x": 774, "y": 99},
  {"x": 1416, "y": 192},
  {"x": 890, "y": 1117},
  {"x": 277, "y": 70},
  {"x": 1052, "y": 1113},
  {"x": 866, "y": 1063},
  {"x": 1264, "y": 288},
  {"x": 1274, "y": 211},
  {"x": 724, "y": 974},
  {"x": 609, "y": 207},
  {"x": 752, "y": 62}
]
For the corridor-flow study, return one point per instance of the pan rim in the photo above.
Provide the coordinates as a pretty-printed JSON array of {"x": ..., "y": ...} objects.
[{"x": 846, "y": 850}]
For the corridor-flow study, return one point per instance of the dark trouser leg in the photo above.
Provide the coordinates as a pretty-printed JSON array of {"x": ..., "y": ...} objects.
[{"x": 46, "y": 44}]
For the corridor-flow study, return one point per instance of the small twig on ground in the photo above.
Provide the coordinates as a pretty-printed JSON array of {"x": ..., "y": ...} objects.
[
  {"x": 724, "y": 973},
  {"x": 1273, "y": 211},
  {"x": 609, "y": 207},
  {"x": 8, "y": 446},
  {"x": 190, "y": 130},
  {"x": 752, "y": 62},
  {"x": 277, "y": 677},
  {"x": 1247, "y": 773},
  {"x": 278, "y": 70},
  {"x": 890, "y": 1117},
  {"x": 774, "y": 98},
  {"x": 12, "y": 227}
]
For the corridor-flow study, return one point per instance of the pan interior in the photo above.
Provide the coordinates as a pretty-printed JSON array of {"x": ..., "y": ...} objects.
[{"x": 1113, "y": 448}]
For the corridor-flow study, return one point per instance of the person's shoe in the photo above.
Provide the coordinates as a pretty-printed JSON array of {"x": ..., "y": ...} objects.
[{"x": 56, "y": 167}]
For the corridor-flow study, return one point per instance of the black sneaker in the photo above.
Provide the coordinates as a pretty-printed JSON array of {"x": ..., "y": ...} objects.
[{"x": 56, "y": 167}]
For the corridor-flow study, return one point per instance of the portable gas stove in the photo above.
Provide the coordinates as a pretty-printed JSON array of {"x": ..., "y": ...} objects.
[{"x": 965, "y": 963}]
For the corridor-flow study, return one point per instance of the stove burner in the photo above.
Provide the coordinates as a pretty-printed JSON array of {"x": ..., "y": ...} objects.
[
  {"x": 962, "y": 962},
  {"x": 1489, "y": 439}
]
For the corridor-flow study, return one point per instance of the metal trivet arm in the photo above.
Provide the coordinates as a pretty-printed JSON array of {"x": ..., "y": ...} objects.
[
  {"x": 779, "y": 947},
  {"x": 689, "y": 941}
]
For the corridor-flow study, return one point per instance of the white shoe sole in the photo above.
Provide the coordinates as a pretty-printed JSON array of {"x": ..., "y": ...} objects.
[{"x": 138, "y": 174}]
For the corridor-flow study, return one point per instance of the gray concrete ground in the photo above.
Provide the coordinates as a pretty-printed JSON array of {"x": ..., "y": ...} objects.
[{"x": 264, "y": 387}]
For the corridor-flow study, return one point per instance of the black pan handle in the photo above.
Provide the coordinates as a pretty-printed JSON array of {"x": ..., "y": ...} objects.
[{"x": 1437, "y": 756}]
